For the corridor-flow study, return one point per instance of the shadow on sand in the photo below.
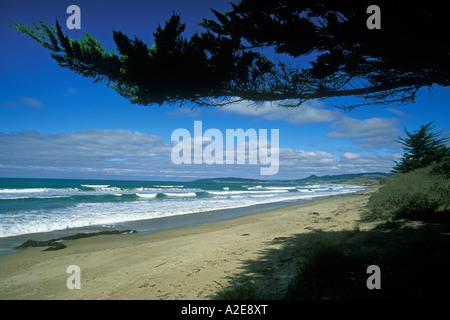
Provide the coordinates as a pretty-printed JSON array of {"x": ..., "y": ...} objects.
[{"x": 413, "y": 257}]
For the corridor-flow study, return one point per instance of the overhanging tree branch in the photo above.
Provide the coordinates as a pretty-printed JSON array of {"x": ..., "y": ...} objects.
[{"x": 226, "y": 62}]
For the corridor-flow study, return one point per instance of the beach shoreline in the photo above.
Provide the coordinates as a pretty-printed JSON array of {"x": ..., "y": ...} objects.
[
  {"x": 185, "y": 263},
  {"x": 146, "y": 226}
]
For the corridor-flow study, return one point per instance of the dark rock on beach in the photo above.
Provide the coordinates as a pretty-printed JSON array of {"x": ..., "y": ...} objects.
[{"x": 56, "y": 244}]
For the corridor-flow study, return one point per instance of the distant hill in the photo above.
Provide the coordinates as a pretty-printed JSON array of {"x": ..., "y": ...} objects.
[{"x": 352, "y": 178}]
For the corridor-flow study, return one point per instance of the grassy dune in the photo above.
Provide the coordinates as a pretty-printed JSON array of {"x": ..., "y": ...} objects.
[{"x": 409, "y": 241}]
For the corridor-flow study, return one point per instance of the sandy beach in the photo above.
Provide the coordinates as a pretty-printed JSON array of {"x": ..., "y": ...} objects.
[{"x": 182, "y": 263}]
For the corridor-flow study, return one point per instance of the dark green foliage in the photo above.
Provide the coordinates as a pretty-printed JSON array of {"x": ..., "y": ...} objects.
[
  {"x": 173, "y": 69},
  {"x": 391, "y": 63},
  {"x": 442, "y": 169},
  {"x": 418, "y": 194},
  {"x": 225, "y": 63},
  {"x": 237, "y": 291},
  {"x": 86, "y": 56},
  {"x": 422, "y": 148}
]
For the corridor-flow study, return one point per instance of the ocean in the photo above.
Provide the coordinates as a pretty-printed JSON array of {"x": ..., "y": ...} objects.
[{"x": 49, "y": 208}]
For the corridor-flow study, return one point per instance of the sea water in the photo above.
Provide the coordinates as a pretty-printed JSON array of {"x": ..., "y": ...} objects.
[{"x": 37, "y": 206}]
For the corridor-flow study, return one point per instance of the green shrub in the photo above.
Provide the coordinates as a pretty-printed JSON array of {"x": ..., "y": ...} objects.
[
  {"x": 416, "y": 194},
  {"x": 237, "y": 291},
  {"x": 441, "y": 169}
]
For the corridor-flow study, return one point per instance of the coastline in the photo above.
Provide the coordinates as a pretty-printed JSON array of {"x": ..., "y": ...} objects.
[
  {"x": 186, "y": 263},
  {"x": 8, "y": 244}
]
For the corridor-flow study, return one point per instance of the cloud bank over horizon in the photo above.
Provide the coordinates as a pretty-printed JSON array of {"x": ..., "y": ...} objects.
[{"x": 123, "y": 154}]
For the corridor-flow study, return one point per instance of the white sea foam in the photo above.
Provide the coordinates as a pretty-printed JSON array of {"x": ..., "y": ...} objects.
[
  {"x": 181, "y": 194},
  {"x": 27, "y": 190},
  {"x": 146, "y": 195},
  {"x": 280, "y": 188},
  {"x": 255, "y": 187},
  {"x": 234, "y": 192},
  {"x": 159, "y": 186},
  {"x": 82, "y": 211},
  {"x": 38, "y": 193},
  {"x": 145, "y": 189},
  {"x": 95, "y": 185}
]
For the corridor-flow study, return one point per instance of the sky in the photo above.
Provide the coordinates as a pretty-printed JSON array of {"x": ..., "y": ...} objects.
[{"x": 57, "y": 124}]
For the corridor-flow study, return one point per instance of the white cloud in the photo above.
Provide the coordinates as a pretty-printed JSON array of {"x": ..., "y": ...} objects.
[
  {"x": 124, "y": 154},
  {"x": 31, "y": 102},
  {"x": 299, "y": 163},
  {"x": 350, "y": 156},
  {"x": 309, "y": 112},
  {"x": 399, "y": 113},
  {"x": 23, "y": 101},
  {"x": 10, "y": 104},
  {"x": 355, "y": 163},
  {"x": 373, "y": 133},
  {"x": 91, "y": 150}
]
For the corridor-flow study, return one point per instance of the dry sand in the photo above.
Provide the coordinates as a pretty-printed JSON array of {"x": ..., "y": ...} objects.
[{"x": 182, "y": 263}]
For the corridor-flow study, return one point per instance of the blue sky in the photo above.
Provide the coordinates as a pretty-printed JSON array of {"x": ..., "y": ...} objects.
[{"x": 57, "y": 124}]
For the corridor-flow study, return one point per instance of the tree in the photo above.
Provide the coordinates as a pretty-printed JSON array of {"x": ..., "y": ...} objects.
[
  {"x": 422, "y": 148},
  {"x": 235, "y": 57}
]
